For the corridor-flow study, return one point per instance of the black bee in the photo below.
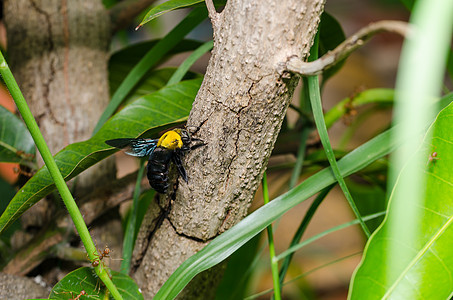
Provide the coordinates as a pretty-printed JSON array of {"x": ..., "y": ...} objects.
[{"x": 170, "y": 146}]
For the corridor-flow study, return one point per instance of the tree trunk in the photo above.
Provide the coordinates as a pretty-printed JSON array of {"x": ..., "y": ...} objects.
[
  {"x": 239, "y": 110},
  {"x": 58, "y": 52}
]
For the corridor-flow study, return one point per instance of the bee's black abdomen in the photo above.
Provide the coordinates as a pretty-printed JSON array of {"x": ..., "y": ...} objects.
[{"x": 158, "y": 169}]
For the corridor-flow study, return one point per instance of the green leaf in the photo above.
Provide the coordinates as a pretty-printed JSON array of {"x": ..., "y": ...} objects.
[
  {"x": 16, "y": 143},
  {"x": 150, "y": 60},
  {"x": 372, "y": 200},
  {"x": 409, "y": 4},
  {"x": 166, "y": 7},
  {"x": 228, "y": 242},
  {"x": 86, "y": 279},
  {"x": 315, "y": 100},
  {"x": 124, "y": 60},
  {"x": 154, "y": 80},
  {"x": 142, "y": 117},
  {"x": 238, "y": 272},
  {"x": 186, "y": 64},
  {"x": 425, "y": 267}
]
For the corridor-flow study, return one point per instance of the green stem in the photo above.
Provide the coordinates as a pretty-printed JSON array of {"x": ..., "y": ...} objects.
[
  {"x": 315, "y": 100},
  {"x": 378, "y": 96},
  {"x": 128, "y": 243},
  {"x": 274, "y": 262},
  {"x": 55, "y": 173}
]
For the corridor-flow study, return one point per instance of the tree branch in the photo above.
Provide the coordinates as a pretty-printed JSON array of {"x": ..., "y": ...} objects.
[
  {"x": 212, "y": 13},
  {"x": 296, "y": 65},
  {"x": 124, "y": 12}
]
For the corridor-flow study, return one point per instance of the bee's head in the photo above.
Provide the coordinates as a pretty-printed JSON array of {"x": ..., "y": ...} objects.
[{"x": 185, "y": 136}]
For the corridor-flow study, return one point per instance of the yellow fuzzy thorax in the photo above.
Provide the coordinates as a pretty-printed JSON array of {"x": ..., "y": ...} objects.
[{"x": 170, "y": 140}]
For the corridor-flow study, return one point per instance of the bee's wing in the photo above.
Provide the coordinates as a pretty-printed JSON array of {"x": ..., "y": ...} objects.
[{"x": 134, "y": 147}]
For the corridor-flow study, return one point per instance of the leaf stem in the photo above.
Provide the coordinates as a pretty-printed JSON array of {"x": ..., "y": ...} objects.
[
  {"x": 55, "y": 173},
  {"x": 274, "y": 262}
]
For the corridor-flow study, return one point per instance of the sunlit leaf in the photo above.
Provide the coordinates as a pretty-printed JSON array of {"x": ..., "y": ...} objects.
[
  {"x": 84, "y": 282},
  {"x": 425, "y": 267},
  {"x": 143, "y": 117}
]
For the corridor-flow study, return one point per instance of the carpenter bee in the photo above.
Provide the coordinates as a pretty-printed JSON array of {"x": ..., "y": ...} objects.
[{"x": 170, "y": 146}]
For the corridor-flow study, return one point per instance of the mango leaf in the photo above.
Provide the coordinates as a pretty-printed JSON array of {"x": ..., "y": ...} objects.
[
  {"x": 16, "y": 143},
  {"x": 228, "y": 242},
  {"x": 424, "y": 267},
  {"x": 84, "y": 282},
  {"x": 142, "y": 117}
]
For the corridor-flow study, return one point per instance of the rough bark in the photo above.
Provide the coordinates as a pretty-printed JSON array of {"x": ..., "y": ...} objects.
[
  {"x": 17, "y": 288},
  {"x": 58, "y": 52},
  {"x": 239, "y": 110}
]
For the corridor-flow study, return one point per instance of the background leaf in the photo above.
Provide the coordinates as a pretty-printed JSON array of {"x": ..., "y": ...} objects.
[
  {"x": 85, "y": 279},
  {"x": 330, "y": 36},
  {"x": 426, "y": 266},
  {"x": 154, "y": 80},
  {"x": 16, "y": 143},
  {"x": 143, "y": 117},
  {"x": 124, "y": 60},
  {"x": 149, "y": 60},
  {"x": 166, "y": 7}
]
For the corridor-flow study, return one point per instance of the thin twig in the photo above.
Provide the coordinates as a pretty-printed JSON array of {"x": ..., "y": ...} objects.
[
  {"x": 122, "y": 13},
  {"x": 212, "y": 13},
  {"x": 296, "y": 65}
]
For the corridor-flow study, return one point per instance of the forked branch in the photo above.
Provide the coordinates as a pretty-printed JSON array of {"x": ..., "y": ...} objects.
[
  {"x": 296, "y": 65},
  {"x": 212, "y": 13}
]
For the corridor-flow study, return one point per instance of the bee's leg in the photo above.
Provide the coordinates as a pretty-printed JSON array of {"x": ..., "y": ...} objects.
[{"x": 176, "y": 157}]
